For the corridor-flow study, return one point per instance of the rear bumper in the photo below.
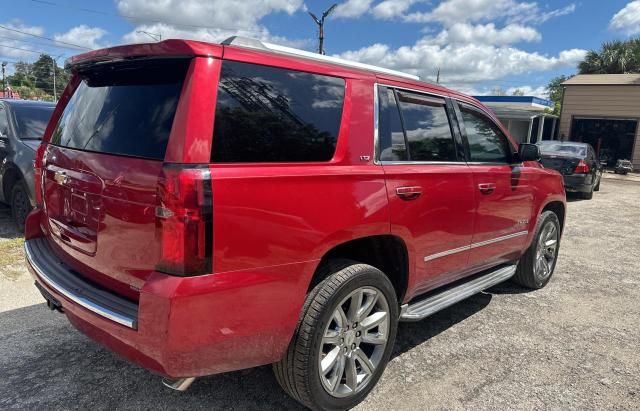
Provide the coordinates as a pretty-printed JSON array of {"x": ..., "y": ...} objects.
[
  {"x": 184, "y": 327},
  {"x": 578, "y": 182}
]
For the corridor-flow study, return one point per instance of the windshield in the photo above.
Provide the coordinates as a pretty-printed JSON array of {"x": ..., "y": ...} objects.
[
  {"x": 563, "y": 148},
  {"x": 31, "y": 121}
]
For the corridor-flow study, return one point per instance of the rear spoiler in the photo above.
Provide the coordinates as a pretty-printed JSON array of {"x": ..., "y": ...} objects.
[{"x": 162, "y": 49}]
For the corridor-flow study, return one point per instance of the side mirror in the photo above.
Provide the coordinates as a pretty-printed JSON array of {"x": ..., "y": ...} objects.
[{"x": 529, "y": 152}]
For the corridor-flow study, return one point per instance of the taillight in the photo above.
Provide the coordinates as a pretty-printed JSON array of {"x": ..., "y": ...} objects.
[
  {"x": 37, "y": 173},
  {"x": 184, "y": 220},
  {"x": 581, "y": 168}
]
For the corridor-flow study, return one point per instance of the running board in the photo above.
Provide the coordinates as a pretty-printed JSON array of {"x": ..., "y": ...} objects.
[{"x": 431, "y": 305}]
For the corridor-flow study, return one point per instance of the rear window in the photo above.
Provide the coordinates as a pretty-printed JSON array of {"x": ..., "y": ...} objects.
[
  {"x": 31, "y": 121},
  {"x": 125, "y": 109},
  {"x": 559, "y": 148},
  {"x": 267, "y": 114}
]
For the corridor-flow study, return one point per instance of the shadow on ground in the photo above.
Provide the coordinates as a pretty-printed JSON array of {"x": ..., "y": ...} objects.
[{"x": 50, "y": 364}]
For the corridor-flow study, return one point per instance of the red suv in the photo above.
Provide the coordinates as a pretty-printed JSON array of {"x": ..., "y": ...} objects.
[{"x": 204, "y": 208}]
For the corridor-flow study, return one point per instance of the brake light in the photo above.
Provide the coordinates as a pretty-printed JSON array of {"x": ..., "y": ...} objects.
[
  {"x": 581, "y": 168},
  {"x": 37, "y": 173},
  {"x": 184, "y": 220}
]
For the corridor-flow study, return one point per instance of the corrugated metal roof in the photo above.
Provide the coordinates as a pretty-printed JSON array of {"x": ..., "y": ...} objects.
[{"x": 603, "y": 79}]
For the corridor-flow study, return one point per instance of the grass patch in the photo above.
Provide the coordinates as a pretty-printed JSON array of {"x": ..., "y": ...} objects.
[{"x": 11, "y": 254}]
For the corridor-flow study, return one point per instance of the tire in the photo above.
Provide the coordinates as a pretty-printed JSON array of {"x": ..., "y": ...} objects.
[
  {"x": 597, "y": 187},
  {"x": 527, "y": 273},
  {"x": 20, "y": 204},
  {"x": 588, "y": 195},
  {"x": 299, "y": 372}
]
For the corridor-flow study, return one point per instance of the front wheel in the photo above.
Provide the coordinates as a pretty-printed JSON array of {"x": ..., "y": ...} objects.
[
  {"x": 343, "y": 340},
  {"x": 539, "y": 261}
]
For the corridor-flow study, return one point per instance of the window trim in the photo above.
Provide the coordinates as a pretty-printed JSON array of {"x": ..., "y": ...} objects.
[
  {"x": 513, "y": 158},
  {"x": 454, "y": 128}
]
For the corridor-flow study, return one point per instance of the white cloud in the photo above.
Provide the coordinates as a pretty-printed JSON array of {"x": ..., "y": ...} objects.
[
  {"x": 462, "y": 63},
  {"x": 464, "y": 33},
  {"x": 392, "y": 8},
  {"x": 537, "y": 91},
  {"x": 83, "y": 35},
  {"x": 13, "y": 53},
  {"x": 207, "y": 20},
  {"x": 450, "y": 12},
  {"x": 352, "y": 8},
  {"x": 627, "y": 20}
]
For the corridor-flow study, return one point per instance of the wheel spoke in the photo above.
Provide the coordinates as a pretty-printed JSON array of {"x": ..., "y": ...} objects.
[
  {"x": 351, "y": 372},
  {"x": 374, "y": 320},
  {"x": 340, "y": 317},
  {"x": 334, "y": 383},
  {"x": 370, "y": 303},
  {"x": 331, "y": 337},
  {"x": 354, "y": 306},
  {"x": 366, "y": 364},
  {"x": 330, "y": 360},
  {"x": 374, "y": 338}
]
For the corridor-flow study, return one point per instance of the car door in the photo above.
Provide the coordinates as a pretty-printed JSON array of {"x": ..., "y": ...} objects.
[
  {"x": 4, "y": 144},
  {"x": 503, "y": 193},
  {"x": 430, "y": 187}
]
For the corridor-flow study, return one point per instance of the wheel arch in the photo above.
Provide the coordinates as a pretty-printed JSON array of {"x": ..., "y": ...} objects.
[
  {"x": 10, "y": 176},
  {"x": 386, "y": 252}
]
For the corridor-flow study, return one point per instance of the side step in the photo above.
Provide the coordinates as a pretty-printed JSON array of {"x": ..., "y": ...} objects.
[{"x": 431, "y": 305}]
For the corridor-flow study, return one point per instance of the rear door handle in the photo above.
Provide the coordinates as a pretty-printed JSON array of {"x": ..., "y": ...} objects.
[
  {"x": 487, "y": 188},
  {"x": 409, "y": 193}
]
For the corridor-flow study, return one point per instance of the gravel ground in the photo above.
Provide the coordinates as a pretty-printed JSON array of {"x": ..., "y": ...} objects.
[{"x": 573, "y": 345}]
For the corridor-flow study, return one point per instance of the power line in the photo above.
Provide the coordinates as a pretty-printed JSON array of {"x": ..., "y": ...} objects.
[
  {"x": 141, "y": 19},
  {"x": 23, "y": 49},
  {"x": 43, "y": 37},
  {"x": 39, "y": 43}
]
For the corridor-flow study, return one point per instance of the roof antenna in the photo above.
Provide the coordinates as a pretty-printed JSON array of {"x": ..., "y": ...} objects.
[{"x": 320, "y": 23}]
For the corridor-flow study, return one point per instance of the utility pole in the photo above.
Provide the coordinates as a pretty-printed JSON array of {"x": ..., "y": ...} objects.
[
  {"x": 55, "y": 66},
  {"x": 320, "y": 23},
  {"x": 4, "y": 90}
]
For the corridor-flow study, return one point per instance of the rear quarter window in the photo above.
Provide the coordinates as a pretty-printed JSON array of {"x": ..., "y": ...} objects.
[
  {"x": 268, "y": 114},
  {"x": 124, "y": 109}
]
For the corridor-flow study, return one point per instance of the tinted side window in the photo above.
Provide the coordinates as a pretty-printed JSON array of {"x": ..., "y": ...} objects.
[
  {"x": 391, "y": 136},
  {"x": 267, "y": 114},
  {"x": 427, "y": 128},
  {"x": 487, "y": 144}
]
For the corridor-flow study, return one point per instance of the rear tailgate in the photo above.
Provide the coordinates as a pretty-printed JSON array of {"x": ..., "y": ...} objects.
[{"x": 101, "y": 170}]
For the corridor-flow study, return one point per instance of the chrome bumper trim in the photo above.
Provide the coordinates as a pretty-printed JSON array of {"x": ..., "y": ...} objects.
[{"x": 82, "y": 300}]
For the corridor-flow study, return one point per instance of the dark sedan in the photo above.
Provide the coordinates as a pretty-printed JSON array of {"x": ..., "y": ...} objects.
[
  {"x": 577, "y": 162},
  {"x": 22, "y": 125}
]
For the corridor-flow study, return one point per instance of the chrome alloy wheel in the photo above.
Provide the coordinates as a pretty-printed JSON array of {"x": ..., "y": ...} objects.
[
  {"x": 354, "y": 342},
  {"x": 546, "y": 251}
]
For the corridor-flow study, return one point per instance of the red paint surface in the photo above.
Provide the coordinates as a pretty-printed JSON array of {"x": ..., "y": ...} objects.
[{"x": 272, "y": 222}]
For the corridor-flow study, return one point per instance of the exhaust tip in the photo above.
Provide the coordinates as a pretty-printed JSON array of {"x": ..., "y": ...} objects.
[{"x": 181, "y": 384}]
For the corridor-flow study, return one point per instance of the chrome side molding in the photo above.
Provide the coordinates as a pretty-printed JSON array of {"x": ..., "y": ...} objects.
[{"x": 431, "y": 305}]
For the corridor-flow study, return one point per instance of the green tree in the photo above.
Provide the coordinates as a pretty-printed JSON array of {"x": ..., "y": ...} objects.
[
  {"x": 614, "y": 57},
  {"x": 35, "y": 80},
  {"x": 555, "y": 89}
]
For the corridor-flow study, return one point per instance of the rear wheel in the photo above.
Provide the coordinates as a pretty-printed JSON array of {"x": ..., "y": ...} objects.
[
  {"x": 538, "y": 263},
  {"x": 20, "y": 204},
  {"x": 588, "y": 195},
  {"x": 597, "y": 187},
  {"x": 343, "y": 340}
]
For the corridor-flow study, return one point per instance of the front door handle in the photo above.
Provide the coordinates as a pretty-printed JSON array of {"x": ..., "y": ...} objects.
[
  {"x": 409, "y": 193},
  {"x": 487, "y": 188}
]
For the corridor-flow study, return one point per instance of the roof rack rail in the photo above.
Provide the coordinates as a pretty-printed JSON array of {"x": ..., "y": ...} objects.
[{"x": 247, "y": 42}]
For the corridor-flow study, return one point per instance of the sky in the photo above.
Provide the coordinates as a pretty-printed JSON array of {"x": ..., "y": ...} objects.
[{"x": 478, "y": 45}]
